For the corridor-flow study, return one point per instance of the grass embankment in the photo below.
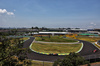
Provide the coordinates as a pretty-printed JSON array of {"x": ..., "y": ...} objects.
[
  {"x": 34, "y": 62},
  {"x": 0, "y": 43},
  {"x": 54, "y": 39},
  {"x": 39, "y": 63},
  {"x": 86, "y": 38},
  {"x": 24, "y": 38},
  {"x": 56, "y": 48}
]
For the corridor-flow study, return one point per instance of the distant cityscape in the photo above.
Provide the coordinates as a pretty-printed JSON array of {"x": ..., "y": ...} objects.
[{"x": 44, "y": 30}]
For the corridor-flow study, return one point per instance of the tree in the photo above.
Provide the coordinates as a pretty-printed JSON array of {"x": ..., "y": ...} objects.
[
  {"x": 22, "y": 57},
  {"x": 27, "y": 62},
  {"x": 66, "y": 62},
  {"x": 36, "y": 27},
  {"x": 32, "y": 28},
  {"x": 12, "y": 47},
  {"x": 73, "y": 59},
  {"x": 57, "y": 62}
]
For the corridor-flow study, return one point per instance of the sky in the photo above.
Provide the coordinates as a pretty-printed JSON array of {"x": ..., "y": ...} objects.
[{"x": 50, "y": 13}]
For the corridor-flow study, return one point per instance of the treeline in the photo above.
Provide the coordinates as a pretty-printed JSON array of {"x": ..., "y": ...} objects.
[
  {"x": 12, "y": 52},
  {"x": 73, "y": 59}
]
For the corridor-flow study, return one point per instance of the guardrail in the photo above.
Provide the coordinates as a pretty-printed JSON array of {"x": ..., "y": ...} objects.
[
  {"x": 96, "y": 45},
  {"x": 94, "y": 56}
]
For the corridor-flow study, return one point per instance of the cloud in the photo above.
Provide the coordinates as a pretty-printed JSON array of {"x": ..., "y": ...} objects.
[
  {"x": 91, "y": 23},
  {"x": 5, "y": 17},
  {"x": 90, "y": 26},
  {"x": 14, "y": 10},
  {"x": 95, "y": 24},
  {"x": 4, "y": 11},
  {"x": 10, "y": 13}
]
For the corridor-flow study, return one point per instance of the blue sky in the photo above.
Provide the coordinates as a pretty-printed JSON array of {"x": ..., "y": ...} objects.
[{"x": 50, "y": 13}]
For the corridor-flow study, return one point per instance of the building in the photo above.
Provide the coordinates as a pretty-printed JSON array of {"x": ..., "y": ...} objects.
[
  {"x": 75, "y": 30},
  {"x": 50, "y": 33}
]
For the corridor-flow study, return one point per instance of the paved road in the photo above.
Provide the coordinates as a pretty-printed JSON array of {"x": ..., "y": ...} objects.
[
  {"x": 56, "y": 42},
  {"x": 87, "y": 50},
  {"x": 36, "y": 56}
]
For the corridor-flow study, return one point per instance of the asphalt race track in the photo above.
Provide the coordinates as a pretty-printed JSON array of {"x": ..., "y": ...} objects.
[{"x": 87, "y": 50}]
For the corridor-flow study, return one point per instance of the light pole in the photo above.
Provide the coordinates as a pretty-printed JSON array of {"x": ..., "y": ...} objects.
[{"x": 43, "y": 63}]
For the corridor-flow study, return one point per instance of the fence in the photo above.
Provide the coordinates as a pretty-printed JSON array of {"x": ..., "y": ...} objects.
[{"x": 92, "y": 58}]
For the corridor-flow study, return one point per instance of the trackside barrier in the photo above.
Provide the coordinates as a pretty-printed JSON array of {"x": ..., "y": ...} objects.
[
  {"x": 80, "y": 49},
  {"x": 52, "y": 53},
  {"x": 95, "y": 44},
  {"x": 94, "y": 56},
  {"x": 19, "y": 36}
]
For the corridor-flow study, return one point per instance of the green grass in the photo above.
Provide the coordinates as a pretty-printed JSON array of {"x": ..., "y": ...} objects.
[
  {"x": 54, "y": 39},
  {"x": 24, "y": 38},
  {"x": 56, "y": 48},
  {"x": 39, "y": 63},
  {"x": 34, "y": 62},
  {"x": 0, "y": 43},
  {"x": 90, "y": 39}
]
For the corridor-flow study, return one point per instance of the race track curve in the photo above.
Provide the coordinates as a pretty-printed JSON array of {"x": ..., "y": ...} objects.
[{"x": 87, "y": 50}]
